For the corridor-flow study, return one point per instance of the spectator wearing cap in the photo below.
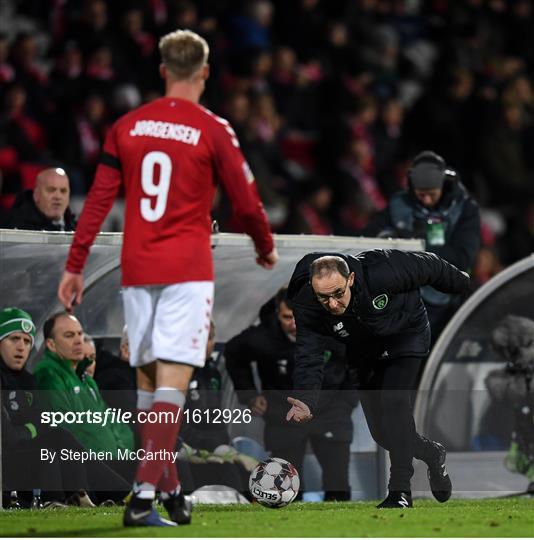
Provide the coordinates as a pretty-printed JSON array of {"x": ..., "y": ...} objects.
[
  {"x": 23, "y": 435},
  {"x": 17, "y": 335},
  {"x": 436, "y": 207},
  {"x": 45, "y": 208}
]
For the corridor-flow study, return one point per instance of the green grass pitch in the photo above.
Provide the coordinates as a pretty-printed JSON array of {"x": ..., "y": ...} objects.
[{"x": 464, "y": 518}]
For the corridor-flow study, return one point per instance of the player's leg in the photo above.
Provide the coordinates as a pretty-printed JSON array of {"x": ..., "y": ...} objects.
[
  {"x": 179, "y": 336},
  {"x": 159, "y": 438},
  {"x": 139, "y": 308},
  {"x": 139, "y": 313},
  {"x": 172, "y": 384},
  {"x": 146, "y": 385}
]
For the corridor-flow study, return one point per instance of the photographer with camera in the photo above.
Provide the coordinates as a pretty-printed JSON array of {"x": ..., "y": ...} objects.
[
  {"x": 513, "y": 339},
  {"x": 436, "y": 207}
]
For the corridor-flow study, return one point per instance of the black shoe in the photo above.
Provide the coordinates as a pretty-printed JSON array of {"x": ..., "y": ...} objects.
[
  {"x": 397, "y": 499},
  {"x": 438, "y": 477},
  {"x": 179, "y": 508}
]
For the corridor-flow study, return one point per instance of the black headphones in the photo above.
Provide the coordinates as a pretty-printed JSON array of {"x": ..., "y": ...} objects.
[{"x": 428, "y": 156}]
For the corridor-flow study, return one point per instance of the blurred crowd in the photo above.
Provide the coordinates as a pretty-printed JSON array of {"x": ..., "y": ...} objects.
[{"x": 331, "y": 99}]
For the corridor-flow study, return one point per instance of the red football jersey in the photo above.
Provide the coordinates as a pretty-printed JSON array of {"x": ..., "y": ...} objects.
[{"x": 169, "y": 154}]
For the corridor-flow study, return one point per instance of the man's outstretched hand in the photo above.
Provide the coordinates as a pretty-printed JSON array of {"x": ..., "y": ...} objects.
[
  {"x": 70, "y": 290},
  {"x": 299, "y": 412}
]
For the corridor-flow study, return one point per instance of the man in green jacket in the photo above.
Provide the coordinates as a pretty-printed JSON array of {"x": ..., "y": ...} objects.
[{"x": 65, "y": 391}]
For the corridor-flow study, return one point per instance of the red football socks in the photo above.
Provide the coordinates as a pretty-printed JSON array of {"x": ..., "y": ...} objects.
[{"x": 159, "y": 441}]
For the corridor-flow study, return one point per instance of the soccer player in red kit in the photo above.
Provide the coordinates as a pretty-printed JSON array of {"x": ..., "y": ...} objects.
[{"x": 169, "y": 155}]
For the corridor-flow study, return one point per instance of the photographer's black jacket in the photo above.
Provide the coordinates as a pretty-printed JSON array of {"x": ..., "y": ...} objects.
[
  {"x": 386, "y": 317},
  {"x": 273, "y": 352},
  {"x": 457, "y": 210}
]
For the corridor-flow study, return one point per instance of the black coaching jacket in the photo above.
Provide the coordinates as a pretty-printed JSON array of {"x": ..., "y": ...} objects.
[
  {"x": 273, "y": 352},
  {"x": 385, "y": 319}
]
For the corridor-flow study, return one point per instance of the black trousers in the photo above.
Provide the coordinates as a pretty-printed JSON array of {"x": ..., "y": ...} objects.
[
  {"x": 386, "y": 396},
  {"x": 289, "y": 442}
]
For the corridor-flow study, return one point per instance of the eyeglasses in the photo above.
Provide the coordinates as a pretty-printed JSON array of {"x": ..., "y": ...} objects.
[{"x": 338, "y": 295}]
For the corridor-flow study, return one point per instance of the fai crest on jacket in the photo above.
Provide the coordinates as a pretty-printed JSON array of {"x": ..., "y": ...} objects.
[{"x": 380, "y": 301}]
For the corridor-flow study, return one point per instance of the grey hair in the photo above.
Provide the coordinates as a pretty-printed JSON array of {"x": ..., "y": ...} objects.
[
  {"x": 324, "y": 266},
  {"x": 124, "y": 336},
  {"x": 88, "y": 339}
]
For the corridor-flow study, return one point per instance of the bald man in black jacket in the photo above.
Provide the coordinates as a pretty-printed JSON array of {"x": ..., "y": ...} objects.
[{"x": 371, "y": 303}]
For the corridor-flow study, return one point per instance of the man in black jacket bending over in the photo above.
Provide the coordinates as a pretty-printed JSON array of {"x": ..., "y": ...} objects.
[
  {"x": 371, "y": 303},
  {"x": 271, "y": 344}
]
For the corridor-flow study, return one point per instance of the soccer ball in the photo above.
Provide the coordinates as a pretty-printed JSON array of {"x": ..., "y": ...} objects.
[{"x": 274, "y": 483}]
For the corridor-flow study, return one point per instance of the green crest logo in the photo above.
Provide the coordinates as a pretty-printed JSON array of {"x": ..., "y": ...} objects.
[
  {"x": 27, "y": 326},
  {"x": 380, "y": 301}
]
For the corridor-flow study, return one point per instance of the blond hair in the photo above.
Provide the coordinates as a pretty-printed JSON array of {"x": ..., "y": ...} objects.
[{"x": 183, "y": 53}]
